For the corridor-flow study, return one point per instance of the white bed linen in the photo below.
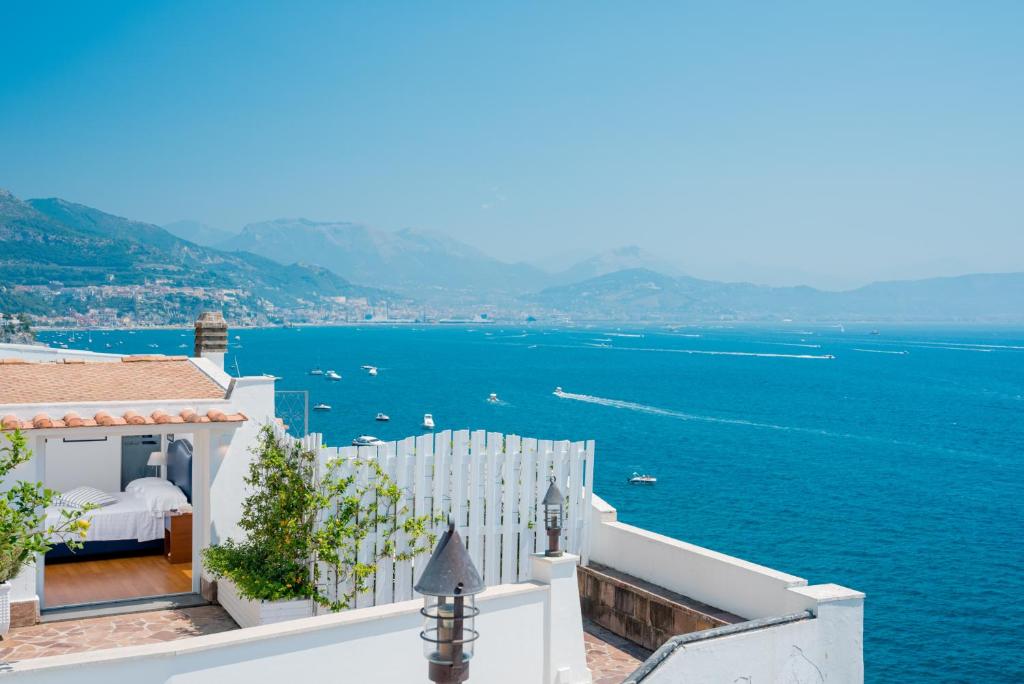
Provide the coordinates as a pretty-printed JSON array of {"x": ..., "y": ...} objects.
[{"x": 129, "y": 518}]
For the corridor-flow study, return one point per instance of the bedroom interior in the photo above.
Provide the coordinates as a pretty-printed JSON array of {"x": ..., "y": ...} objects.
[{"x": 139, "y": 542}]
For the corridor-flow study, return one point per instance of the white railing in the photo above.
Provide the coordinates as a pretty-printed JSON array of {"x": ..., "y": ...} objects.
[{"x": 490, "y": 484}]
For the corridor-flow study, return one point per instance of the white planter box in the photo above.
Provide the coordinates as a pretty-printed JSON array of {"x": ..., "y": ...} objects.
[{"x": 248, "y": 613}]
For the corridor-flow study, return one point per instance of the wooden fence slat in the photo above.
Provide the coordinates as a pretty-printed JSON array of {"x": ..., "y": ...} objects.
[
  {"x": 384, "y": 579},
  {"x": 424, "y": 452},
  {"x": 491, "y": 570},
  {"x": 527, "y": 496},
  {"x": 509, "y": 504},
  {"x": 403, "y": 569},
  {"x": 477, "y": 462}
]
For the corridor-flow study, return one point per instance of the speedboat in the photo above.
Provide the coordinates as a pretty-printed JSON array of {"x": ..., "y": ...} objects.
[
  {"x": 558, "y": 391},
  {"x": 316, "y": 371},
  {"x": 493, "y": 398},
  {"x": 372, "y": 370},
  {"x": 637, "y": 478},
  {"x": 366, "y": 440},
  {"x": 383, "y": 417},
  {"x": 331, "y": 375},
  {"x": 322, "y": 407},
  {"x": 428, "y": 421}
]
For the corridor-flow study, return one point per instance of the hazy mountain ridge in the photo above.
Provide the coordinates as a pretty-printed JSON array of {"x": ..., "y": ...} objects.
[
  {"x": 47, "y": 241},
  {"x": 641, "y": 294},
  {"x": 419, "y": 263},
  {"x": 198, "y": 232}
]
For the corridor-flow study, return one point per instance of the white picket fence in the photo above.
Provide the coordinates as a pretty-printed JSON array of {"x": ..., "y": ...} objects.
[{"x": 490, "y": 484}]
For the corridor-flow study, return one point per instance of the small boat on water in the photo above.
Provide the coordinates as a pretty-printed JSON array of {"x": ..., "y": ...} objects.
[
  {"x": 372, "y": 370},
  {"x": 322, "y": 407},
  {"x": 873, "y": 332},
  {"x": 493, "y": 398},
  {"x": 316, "y": 371},
  {"x": 428, "y": 421},
  {"x": 637, "y": 478},
  {"x": 331, "y": 375},
  {"x": 383, "y": 417},
  {"x": 558, "y": 392},
  {"x": 366, "y": 440}
]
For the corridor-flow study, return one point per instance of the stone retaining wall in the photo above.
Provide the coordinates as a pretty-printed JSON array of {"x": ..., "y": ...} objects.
[{"x": 646, "y": 614}]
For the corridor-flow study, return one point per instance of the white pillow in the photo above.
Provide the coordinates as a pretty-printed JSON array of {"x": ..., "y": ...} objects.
[
  {"x": 160, "y": 495},
  {"x": 147, "y": 483},
  {"x": 81, "y": 496}
]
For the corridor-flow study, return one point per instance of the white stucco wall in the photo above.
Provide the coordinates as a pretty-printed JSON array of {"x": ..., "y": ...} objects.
[
  {"x": 827, "y": 648},
  {"x": 733, "y": 584},
  {"x": 83, "y": 463},
  {"x": 379, "y": 645}
]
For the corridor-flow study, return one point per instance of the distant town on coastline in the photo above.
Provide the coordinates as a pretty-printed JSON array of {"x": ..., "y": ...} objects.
[{"x": 66, "y": 264}]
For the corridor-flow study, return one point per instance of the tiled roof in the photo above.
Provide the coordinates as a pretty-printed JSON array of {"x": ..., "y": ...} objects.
[
  {"x": 106, "y": 419},
  {"x": 133, "y": 378}
]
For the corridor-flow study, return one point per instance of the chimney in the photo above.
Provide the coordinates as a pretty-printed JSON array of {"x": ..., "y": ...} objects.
[{"x": 211, "y": 337}]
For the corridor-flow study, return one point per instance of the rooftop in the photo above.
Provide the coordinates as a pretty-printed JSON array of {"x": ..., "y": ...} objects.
[{"x": 132, "y": 378}]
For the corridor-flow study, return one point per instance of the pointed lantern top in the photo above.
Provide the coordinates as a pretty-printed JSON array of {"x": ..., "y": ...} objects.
[
  {"x": 450, "y": 570},
  {"x": 554, "y": 496}
]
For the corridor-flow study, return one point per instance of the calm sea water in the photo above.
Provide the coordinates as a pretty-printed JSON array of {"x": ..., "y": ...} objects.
[{"x": 898, "y": 474}]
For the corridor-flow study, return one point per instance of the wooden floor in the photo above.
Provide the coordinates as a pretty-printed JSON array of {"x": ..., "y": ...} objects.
[{"x": 112, "y": 579}]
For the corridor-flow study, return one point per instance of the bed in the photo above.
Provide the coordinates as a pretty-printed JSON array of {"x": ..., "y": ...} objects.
[{"x": 131, "y": 524}]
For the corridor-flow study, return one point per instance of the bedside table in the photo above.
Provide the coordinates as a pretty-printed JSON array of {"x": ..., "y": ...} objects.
[{"x": 178, "y": 538}]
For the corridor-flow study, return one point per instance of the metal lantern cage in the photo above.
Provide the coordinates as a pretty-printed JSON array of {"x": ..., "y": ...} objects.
[
  {"x": 554, "y": 515},
  {"x": 448, "y": 584}
]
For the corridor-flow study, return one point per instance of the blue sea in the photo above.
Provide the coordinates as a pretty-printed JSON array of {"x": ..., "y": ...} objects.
[{"x": 893, "y": 467}]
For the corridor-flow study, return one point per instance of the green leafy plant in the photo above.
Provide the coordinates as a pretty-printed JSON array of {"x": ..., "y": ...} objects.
[
  {"x": 278, "y": 518},
  {"x": 354, "y": 507},
  {"x": 24, "y": 531},
  {"x": 304, "y": 533}
]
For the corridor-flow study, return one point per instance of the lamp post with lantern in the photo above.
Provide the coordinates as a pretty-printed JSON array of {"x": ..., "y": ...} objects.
[
  {"x": 448, "y": 584},
  {"x": 554, "y": 514}
]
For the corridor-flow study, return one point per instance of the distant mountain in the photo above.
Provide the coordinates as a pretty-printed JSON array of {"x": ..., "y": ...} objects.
[
  {"x": 618, "y": 259},
  {"x": 46, "y": 241},
  {"x": 641, "y": 294},
  {"x": 199, "y": 233},
  {"x": 418, "y": 263}
]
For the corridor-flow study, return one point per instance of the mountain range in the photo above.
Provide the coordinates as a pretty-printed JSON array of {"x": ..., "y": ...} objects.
[
  {"x": 46, "y": 241},
  {"x": 65, "y": 251}
]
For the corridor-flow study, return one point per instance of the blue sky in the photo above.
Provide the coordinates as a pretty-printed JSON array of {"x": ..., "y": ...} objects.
[{"x": 829, "y": 143}]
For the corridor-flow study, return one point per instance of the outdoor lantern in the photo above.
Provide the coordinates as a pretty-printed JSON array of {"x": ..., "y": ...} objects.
[
  {"x": 554, "y": 511},
  {"x": 448, "y": 585}
]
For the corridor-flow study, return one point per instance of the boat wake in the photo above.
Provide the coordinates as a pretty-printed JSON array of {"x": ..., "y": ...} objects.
[
  {"x": 654, "y": 410},
  {"x": 881, "y": 351},
  {"x": 710, "y": 352}
]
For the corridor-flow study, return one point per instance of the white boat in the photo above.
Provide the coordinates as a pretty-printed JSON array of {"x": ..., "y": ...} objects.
[
  {"x": 558, "y": 392},
  {"x": 428, "y": 421},
  {"x": 316, "y": 371},
  {"x": 331, "y": 375},
  {"x": 322, "y": 407},
  {"x": 366, "y": 440},
  {"x": 637, "y": 478},
  {"x": 493, "y": 398},
  {"x": 383, "y": 417},
  {"x": 372, "y": 370}
]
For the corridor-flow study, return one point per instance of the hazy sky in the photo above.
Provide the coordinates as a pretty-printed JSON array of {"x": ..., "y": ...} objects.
[{"x": 829, "y": 143}]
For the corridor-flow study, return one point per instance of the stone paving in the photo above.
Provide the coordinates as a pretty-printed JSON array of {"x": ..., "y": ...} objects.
[
  {"x": 94, "y": 634},
  {"x": 610, "y": 657}
]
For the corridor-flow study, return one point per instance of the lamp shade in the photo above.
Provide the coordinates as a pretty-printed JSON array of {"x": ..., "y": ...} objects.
[{"x": 157, "y": 458}]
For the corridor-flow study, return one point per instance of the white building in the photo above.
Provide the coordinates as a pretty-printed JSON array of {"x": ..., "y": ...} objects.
[{"x": 710, "y": 617}]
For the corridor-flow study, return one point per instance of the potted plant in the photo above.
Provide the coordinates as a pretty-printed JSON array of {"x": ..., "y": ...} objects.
[
  {"x": 303, "y": 534},
  {"x": 24, "y": 531}
]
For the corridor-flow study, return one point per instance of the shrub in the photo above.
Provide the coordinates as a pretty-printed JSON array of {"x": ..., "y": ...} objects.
[{"x": 23, "y": 528}]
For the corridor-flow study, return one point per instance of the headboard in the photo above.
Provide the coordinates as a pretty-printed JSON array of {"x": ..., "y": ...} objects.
[{"x": 179, "y": 465}]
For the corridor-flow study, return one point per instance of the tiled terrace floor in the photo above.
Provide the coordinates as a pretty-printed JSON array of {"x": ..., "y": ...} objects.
[
  {"x": 610, "y": 657},
  {"x": 93, "y": 634}
]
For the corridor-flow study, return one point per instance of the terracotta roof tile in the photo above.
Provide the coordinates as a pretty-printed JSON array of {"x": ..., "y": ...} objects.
[
  {"x": 42, "y": 421},
  {"x": 137, "y": 378}
]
